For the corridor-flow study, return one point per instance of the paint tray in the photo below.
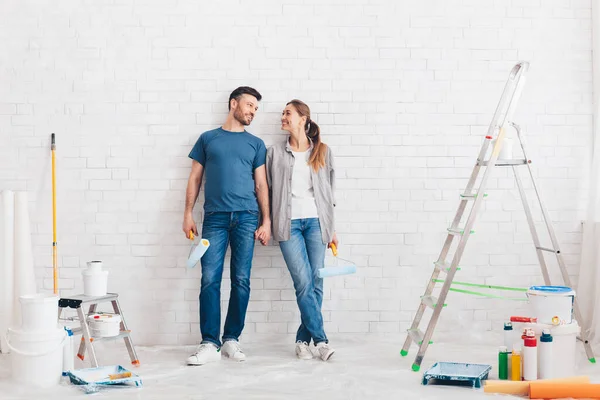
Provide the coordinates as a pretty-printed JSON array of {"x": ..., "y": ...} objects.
[
  {"x": 94, "y": 377},
  {"x": 452, "y": 372}
]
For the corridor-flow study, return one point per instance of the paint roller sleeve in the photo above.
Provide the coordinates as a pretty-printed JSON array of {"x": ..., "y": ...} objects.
[
  {"x": 335, "y": 267},
  {"x": 196, "y": 253}
]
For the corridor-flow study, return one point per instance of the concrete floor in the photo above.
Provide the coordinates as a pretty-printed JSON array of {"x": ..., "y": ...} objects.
[{"x": 360, "y": 369}]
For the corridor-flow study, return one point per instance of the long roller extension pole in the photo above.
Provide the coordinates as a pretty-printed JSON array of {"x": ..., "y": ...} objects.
[{"x": 54, "y": 244}]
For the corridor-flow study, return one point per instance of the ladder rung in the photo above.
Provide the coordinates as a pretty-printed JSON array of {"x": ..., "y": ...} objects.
[
  {"x": 504, "y": 163},
  {"x": 120, "y": 335},
  {"x": 548, "y": 249},
  {"x": 443, "y": 266},
  {"x": 471, "y": 196},
  {"x": 416, "y": 335},
  {"x": 430, "y": 301},
  {"x": 458, "y": 232}
]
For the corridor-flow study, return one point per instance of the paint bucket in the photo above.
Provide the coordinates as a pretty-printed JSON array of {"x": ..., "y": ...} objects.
[
  {"x": 548, "y": 302},
  {"x": 104, "y": 325},
  {"x": 95, "y": 266},
  {"x": 564, "y": 346},
  {"x": 39, "y": 312},
  {"x": 36, "y": 357},
  {"x": 95, "y": 280},
  {"x": 506, "y": 152}
]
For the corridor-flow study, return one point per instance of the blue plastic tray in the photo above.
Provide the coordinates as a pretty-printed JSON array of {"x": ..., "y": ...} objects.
[
  {"x": 453, "y": 372},
  {"x": 94, "y": 378}
]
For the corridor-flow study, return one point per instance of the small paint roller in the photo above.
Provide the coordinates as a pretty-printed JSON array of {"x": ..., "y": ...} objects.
[
  {"x": 122, "y": 375},
  {"x": 197, "y": 252},
  {"x": 335, "y": 268}
]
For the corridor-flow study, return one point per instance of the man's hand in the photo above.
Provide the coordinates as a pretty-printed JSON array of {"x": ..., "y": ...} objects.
[
  {"x": 189, "y": 225},
  {"x": 263, "y": 233}
]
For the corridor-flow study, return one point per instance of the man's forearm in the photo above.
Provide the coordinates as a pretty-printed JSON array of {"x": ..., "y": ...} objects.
[{"x": 191, "y": 195}]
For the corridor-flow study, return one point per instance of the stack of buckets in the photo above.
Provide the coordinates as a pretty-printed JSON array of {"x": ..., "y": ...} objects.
[
  {"x": 36, "y": 347},
  {"x": 551, "y": 307}
]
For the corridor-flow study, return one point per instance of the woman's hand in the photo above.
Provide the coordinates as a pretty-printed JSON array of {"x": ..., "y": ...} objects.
[{"x": 334, "y": 240}]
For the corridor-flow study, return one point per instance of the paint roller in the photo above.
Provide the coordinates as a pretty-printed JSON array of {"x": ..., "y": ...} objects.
[
  {"x": 197, "y": 252},
  {"x": 563, "y": 390},
  {"x": 336, "y": 268},
  {"x": 522, "y": 388}
]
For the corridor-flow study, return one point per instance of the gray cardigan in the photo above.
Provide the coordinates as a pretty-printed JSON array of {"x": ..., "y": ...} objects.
[{"x": 280, "y": 164}]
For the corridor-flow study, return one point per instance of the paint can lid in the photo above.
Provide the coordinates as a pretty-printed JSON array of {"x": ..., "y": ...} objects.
[
  {"x": 503, "y": 349},
  {"x": 551, "y": 291},
  {"x": 104, "y": 318},
  {"x": 530, "y": 341},
  {"x": 508, "y": 326}
]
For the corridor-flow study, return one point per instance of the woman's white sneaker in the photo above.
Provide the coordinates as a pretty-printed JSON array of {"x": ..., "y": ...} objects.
[
  {"x": 205, "y": 353},
  {"x": 232, "y": 350},
  {"x": 325, "y": 352},
  {"x": 303, "y": 351}
]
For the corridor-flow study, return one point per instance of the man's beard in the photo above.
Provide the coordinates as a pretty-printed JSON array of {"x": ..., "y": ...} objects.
[{"x": 240, "y": 117}]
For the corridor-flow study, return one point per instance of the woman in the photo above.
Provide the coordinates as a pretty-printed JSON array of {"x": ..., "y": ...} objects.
[{"x": 300, "y": 173}]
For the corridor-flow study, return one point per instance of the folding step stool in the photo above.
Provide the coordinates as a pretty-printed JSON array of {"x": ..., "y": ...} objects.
[{"x": 78, "y": 302}]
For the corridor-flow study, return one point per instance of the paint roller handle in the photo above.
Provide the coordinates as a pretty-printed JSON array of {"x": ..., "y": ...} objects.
[
  {"x": 53, "y": 142},
  {"x": 333, "y": 249},
  {"x": 122, "y": 375},
  {"x": 523, "y": 319}
]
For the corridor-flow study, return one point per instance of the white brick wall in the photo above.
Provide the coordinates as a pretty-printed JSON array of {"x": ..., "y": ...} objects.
[{"x": 403, "y": 91}]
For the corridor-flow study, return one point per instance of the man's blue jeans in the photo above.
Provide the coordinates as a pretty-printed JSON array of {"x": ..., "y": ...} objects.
[
  {"x": 304, "y": 254},
  {"x": 222, "y": 228}
]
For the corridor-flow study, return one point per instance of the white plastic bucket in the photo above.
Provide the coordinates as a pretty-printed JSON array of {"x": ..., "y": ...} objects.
[
  {"x": 36, "y": 358},
  {"x": 564, "y": 346},
  {"x": 39, "y": 312},
  {"x": 95, "y": 266},
  {"x": 506, "y": 152},
  {"x": 104, "y": 325},
  {"x": 95, "y": 283},
  {"x": 547, "y": 302}
]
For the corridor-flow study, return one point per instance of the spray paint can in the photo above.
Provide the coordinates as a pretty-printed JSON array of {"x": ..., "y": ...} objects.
[
  {"x": 509, "y": 341},
  {"x": 530, "y": 360},
  {"x": 546, "y": 355},
  {"x": 68, "y": 356},
  {"x": 503, "y": 363},
  {"x": 508, "y": 335},
  {"x": 516, "y": 364}
]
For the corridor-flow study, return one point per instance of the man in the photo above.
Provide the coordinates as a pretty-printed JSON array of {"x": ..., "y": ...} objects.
[{"x": 233, "y": 163}]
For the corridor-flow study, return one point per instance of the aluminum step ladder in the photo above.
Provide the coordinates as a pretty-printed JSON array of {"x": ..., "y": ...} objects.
[
  {"x": 78, "y": 303},
  {"x": 500, "y": 122}
]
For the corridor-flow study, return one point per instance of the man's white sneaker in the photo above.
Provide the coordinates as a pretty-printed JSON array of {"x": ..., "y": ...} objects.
[
  {"x": 303, "y": 351},
  {"x": 205, "y": 353},
  {"x": 325, "y": 352},
  {"x": 232, "y": 349}
]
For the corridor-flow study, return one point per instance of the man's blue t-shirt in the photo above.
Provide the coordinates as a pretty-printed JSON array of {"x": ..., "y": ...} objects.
[{"x": 229, "y": 160}]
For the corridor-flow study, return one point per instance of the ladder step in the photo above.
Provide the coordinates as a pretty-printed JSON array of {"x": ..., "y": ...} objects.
[
  {"x": 443, "y": 266},
  {"x": 430, "y": 301},
  {"x": 504, "y": 163},
  {"x": 458, "y": 232},
  {"x": 120, "y": 335},
  {"x": 548, "y": 250},
  {"x": 417, "y": 335},
  {"x": 471, "y": 196}
]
